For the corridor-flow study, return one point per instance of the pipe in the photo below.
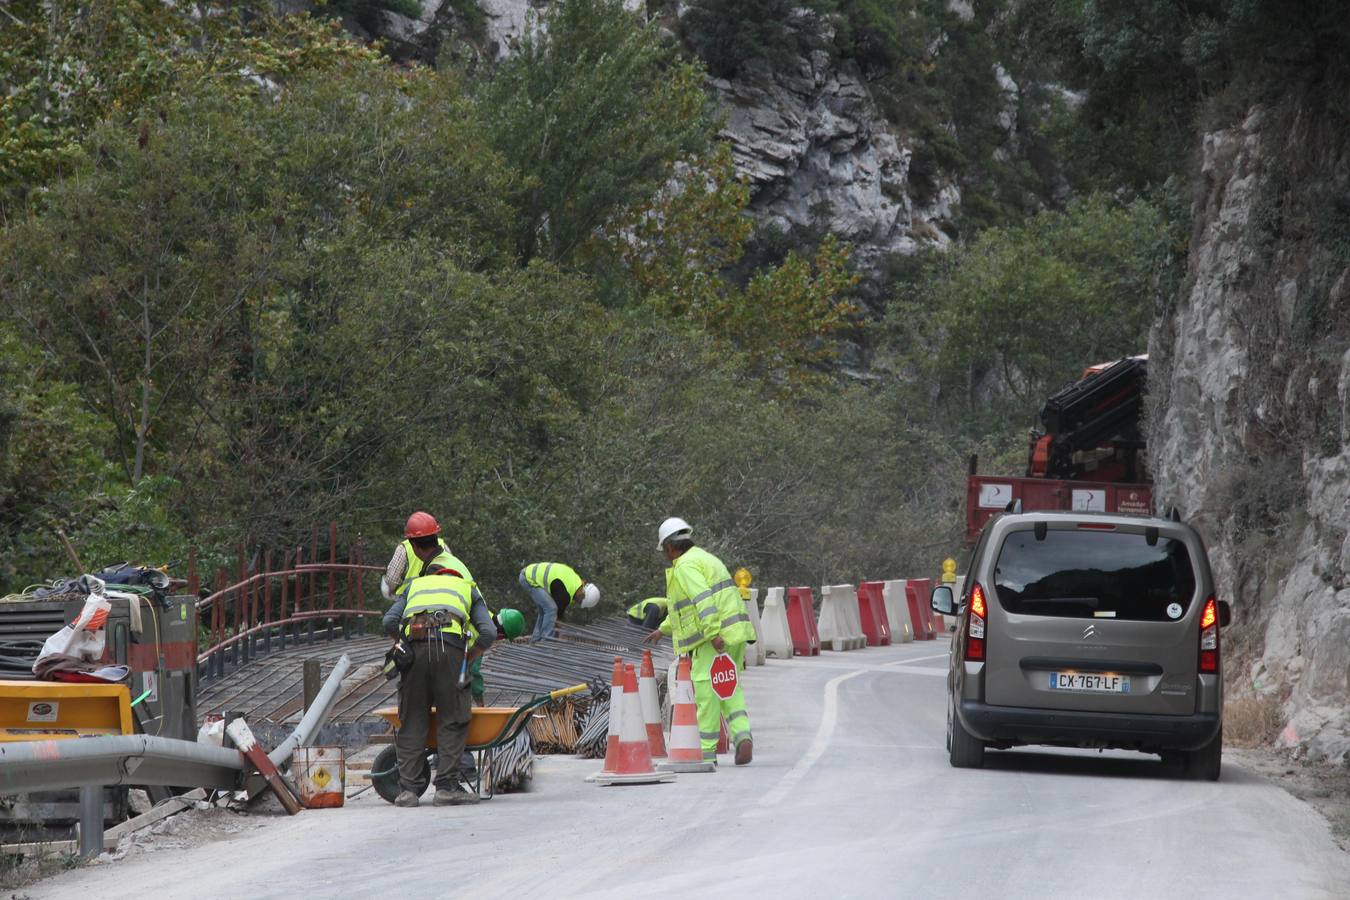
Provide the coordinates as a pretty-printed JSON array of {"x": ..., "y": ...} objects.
[{"x": 315, "y": 717}]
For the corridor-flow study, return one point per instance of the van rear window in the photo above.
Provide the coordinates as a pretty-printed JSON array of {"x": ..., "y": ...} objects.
[{"x": 1092, "y": 574}]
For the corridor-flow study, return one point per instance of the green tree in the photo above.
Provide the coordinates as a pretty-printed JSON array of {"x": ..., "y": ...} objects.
[
  {"x": 1024, "y": 308},
  {"x": 590, "y": 111},
  {"x": 66, "y": 66}
]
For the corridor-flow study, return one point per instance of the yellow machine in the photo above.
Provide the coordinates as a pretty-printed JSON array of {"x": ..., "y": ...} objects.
[{"x": 51, "y": 710}]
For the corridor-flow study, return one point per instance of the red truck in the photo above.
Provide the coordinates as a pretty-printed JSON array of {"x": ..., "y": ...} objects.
[{"x": 1088, "y": 455}]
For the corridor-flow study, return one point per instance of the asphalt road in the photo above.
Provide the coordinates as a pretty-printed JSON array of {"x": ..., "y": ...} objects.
[{"x": 850, "y": 795}]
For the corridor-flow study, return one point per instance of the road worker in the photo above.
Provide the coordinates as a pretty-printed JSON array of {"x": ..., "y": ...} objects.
[
  {"x": 648, "y": 613},
  {"x": 553, "y": 587},
  {"x": 432, "y": 616},
  {"x": 706, "y": 618},
  {"x": 404, "y": 565}
]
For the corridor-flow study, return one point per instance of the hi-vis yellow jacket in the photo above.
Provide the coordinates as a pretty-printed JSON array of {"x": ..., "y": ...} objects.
[{"x": 704, "y": 603}]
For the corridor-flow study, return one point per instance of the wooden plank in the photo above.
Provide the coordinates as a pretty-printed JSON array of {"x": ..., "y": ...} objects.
[
  {"x": 242, "y": 736},
  {"x": 162, "y": 811}
]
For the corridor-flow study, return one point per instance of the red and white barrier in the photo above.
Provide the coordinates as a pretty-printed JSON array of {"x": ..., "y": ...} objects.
[
  {"x": 897, "y": 611},
  {"x": 872, "y": 609},
  {"x": 917, "y": 592},
  {"x": 801, "y": 618},
  {"x": 775, "y": 638}
]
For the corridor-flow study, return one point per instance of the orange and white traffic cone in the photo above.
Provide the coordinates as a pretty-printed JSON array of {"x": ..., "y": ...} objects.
[
  {"x": 633, "y": 759},
  {"x": 651, "y": 707},
  {"x": 616, "y": 711},
  {"x": 686, "y": 750}
]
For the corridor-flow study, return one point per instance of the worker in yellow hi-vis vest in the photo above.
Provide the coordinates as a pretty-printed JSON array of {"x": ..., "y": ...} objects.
[
  {"x": 707, "y": 620},
  {"x": 553, "y": 587}
]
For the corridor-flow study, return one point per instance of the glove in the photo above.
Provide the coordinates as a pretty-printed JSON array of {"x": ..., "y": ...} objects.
[{"x": 384, "y": 590}]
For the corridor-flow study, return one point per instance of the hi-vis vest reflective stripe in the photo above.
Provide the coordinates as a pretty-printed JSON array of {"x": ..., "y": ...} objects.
[
  {"x": 440, "y": 592},
  {"x": 542, "y": 574},
  {"x": 443, "y": 558},
  {"x": 639, "y": 609}
]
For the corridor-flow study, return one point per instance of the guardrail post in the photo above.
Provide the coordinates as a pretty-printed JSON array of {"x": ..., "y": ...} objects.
[{"x": 91, "y": 820}]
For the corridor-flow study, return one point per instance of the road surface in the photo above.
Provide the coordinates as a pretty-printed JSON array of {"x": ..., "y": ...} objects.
[{"x": 850, "y": 795}]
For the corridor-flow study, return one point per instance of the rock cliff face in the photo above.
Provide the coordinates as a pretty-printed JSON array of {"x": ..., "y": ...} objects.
[
  {"x": 1250, "y": 404},
  {"x": 820, "y": 156},
  {"x": 818, "y": 153}
]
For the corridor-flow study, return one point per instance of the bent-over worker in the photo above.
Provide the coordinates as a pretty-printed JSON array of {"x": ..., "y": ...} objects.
[
  {"x": 706, "y": 618},
  {"x": 553, "y": 586},
  {"x": 648, "y": 613}
]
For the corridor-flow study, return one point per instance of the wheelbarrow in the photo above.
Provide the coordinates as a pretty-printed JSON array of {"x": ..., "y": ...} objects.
[{"x": 490, "y": 728}]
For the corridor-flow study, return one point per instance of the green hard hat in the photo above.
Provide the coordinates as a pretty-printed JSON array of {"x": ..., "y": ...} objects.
[{"x": 512, "y": 623}]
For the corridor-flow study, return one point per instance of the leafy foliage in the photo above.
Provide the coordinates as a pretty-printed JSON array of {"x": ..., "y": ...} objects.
[
  {"x": 591, "y": 111},
  {"x": 66, "y": 66},
  {"x": 1023, "y": 308}
]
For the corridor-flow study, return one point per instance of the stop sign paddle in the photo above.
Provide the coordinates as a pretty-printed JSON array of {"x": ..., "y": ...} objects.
[{"x": 723, "y": 672}]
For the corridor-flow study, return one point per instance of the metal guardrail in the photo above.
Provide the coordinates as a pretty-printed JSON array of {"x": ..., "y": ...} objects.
[
  {"x": 94, "y": 762},
  {"x": 115, "y": 759}
]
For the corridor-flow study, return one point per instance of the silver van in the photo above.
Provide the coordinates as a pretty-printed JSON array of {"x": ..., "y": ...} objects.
[{"x": 1087, "y": 630}]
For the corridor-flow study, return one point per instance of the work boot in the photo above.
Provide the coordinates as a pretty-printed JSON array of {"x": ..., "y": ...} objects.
[
  {"x": 406, "y": 799},
  {"x": 455, "y": 796},
  {"x": 745, "y": 751}
]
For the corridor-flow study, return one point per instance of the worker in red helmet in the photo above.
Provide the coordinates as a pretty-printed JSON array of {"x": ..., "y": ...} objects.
[{"x": 405, "y": 565}]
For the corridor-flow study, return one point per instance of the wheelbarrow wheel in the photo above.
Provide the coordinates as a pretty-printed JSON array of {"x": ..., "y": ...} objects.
[{"x": 384, "y": 773}]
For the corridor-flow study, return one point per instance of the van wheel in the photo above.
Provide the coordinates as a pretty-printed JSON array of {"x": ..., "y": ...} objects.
[
  {"x": 1204, "y": 764},
  {"x": 966, "y": 750}
]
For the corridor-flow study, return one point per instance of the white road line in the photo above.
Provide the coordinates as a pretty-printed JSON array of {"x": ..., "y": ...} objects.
[
  {"x": 905, "y": 662},
  {"x": 828, "y": 718}
]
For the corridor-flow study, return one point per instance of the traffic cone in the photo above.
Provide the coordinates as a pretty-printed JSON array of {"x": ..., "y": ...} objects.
[
  {"x": 615, "y": 716},
  {"x": 686, "y": 750},
  {"x": 651, "y": 707},
  {"x": 633, "y": 759}
]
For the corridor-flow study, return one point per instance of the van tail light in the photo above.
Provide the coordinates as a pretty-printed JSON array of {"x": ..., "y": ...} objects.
[
  {"x": 975, "y": 630},
  {"x": 1209, "y": 637}
]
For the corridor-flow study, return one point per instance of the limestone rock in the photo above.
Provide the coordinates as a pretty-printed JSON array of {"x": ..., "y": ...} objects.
[{"x": 1250, "y": 417}]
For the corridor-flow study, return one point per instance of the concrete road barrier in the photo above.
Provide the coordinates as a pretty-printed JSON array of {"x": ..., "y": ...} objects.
[{"x": 775, "y": 637}]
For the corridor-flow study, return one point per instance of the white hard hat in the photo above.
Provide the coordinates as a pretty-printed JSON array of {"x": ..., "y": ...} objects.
[
  {"x": 590, "y": 595},
  {"x": 669, "y": 528}
]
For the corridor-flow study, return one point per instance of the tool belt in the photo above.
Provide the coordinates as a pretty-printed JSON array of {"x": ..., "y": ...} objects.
[{"x": 426, "y": 626}]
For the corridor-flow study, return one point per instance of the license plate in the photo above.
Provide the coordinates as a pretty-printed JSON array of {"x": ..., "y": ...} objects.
[{"x": 1095, "y": 682}]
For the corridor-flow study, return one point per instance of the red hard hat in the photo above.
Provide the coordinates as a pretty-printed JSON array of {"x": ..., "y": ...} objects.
[{"x": 421, "y": 524}]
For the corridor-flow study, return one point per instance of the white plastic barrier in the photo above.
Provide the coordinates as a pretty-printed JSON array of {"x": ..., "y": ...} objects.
[
  {"x": 897, "y": 611},
  {"x": 828, "y": 623},
  {"x": 754, "y": 653},
  {"x": 775, "y": 638},
  {"x": 848, "y": 605},
  {"x": 839, "y": 623}
]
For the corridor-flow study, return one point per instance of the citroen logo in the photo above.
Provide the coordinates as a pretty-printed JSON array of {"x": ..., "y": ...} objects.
[{"x": 1089, "y": 631}]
